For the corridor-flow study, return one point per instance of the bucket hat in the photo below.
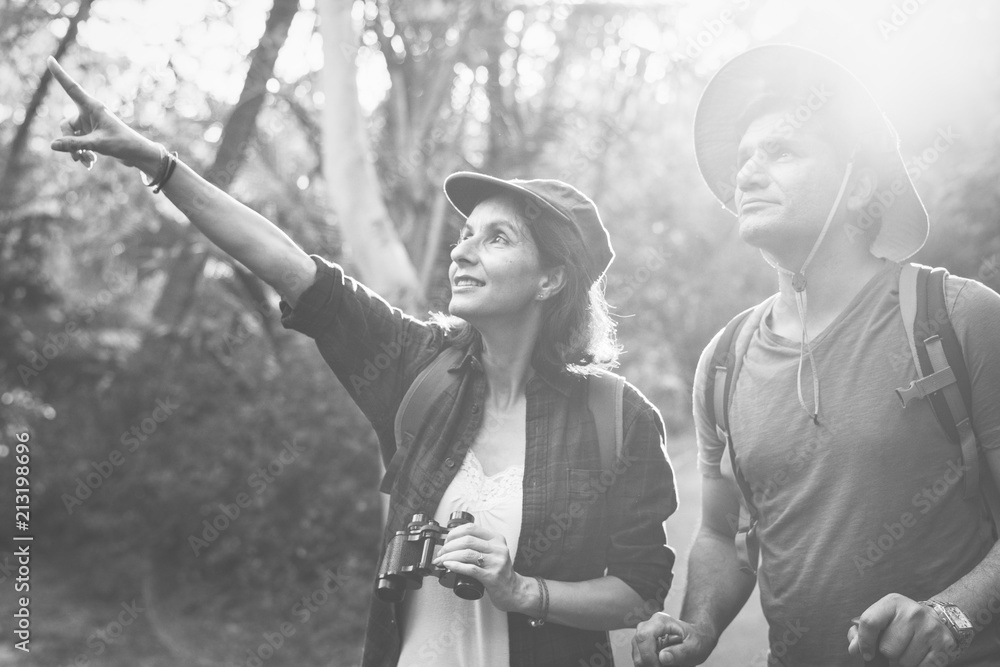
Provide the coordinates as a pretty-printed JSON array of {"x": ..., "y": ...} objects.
[
  {"x": 539, "y": 199},
  {"x": 817, "y": 80}
]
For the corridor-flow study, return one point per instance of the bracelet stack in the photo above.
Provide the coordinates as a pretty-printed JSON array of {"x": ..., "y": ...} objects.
[
  {"x": 168, "y": 162},
  {"x": 543, "y": 603}
]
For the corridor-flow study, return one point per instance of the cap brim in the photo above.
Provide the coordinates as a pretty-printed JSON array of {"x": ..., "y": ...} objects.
[
  {"x": 766, "y": 69},
  {"x": 466, "y": 190}
]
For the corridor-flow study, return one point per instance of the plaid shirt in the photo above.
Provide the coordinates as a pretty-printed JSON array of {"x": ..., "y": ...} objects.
[{"x": 579, "y": 521}]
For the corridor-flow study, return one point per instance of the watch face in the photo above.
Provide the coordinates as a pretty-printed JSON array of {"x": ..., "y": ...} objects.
[
  {"x": 960, "y": 624},
  {"x": 958, "y": 617}
]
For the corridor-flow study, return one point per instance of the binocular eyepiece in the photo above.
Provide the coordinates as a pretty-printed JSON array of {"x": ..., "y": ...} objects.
[{"x": 408, "y": 556}]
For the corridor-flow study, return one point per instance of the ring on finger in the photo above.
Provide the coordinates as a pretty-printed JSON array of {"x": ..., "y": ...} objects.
[{"x": 480, "y": 560}]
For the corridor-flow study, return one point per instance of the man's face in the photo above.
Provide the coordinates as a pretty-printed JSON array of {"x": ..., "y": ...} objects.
[{"x": 786, "y": 182}]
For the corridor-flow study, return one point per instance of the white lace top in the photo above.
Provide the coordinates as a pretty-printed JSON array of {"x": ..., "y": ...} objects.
[{"x": 439, "y": 628}]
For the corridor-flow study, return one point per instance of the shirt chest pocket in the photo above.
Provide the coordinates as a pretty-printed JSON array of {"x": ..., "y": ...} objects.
[{"x": 582, "y": 517}]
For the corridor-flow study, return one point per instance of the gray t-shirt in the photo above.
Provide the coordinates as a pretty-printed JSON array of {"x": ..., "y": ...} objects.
[{"x": 870, "y": 501}]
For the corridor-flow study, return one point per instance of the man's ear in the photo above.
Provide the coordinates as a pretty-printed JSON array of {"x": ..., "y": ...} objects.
[
  {"x": 551, "y": 283},
  {"x": 864, "y": 183}
]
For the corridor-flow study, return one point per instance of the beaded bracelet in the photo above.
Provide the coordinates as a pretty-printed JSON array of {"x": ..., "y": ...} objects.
[{"x": 543, "y": 590}]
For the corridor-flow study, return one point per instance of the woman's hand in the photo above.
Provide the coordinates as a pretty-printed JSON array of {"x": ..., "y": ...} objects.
[
  {"x": 481, "y": 554},
  {"x": 96, "y": 129},
  {"x": 664, "y": 640}
]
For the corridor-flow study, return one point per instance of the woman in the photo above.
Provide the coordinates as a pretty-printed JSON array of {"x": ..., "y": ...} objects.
[{"x": 563, "y": 553}]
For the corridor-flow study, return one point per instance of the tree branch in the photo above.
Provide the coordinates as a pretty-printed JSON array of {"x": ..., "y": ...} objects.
[
  {"x": 178, "y": 294},
  {"x": 11, "y": 173}
]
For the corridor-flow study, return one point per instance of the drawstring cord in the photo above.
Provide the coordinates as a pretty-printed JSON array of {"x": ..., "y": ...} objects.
[{"x": 801, "y": 302}]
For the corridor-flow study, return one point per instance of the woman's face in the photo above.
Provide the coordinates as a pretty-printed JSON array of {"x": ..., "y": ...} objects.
[{"x": 495, "y": 271}]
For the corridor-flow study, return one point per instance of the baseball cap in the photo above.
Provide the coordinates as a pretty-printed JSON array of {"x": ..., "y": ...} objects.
[
  {"x": 543, "y": 199},
  {"x": 817, "y": 79}
]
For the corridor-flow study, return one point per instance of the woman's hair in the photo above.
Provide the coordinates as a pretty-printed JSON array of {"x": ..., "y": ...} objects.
[{"x": 577, "y": 333}]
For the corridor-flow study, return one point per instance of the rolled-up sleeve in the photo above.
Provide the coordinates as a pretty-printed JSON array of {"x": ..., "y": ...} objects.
[
  {"x": 710, "y": 446},
  {"x": 976, "y": 318},
  {"x": 641, "y": 499},
  {"x": 374, "y": 349}
]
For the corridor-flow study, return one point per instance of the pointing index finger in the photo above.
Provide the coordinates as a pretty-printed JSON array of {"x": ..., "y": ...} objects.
[{"x": 72, "y": 88}]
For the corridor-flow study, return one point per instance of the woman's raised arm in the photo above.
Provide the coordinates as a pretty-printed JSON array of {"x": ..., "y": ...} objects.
[{"x": 242, "y": 233}]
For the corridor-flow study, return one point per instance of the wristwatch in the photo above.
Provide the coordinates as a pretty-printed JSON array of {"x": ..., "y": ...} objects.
[{"x": 955, "y": 619}]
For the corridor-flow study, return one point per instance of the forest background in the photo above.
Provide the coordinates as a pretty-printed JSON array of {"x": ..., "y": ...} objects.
[{"x": 153, "y": 376}]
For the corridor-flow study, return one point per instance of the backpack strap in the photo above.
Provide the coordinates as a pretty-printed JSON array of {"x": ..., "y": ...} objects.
[
  {"x": 915, "y": 309},
  {"x": 429, "y": 384},
  {"x": 944, "y": 381},
  {"x": 939, "y": 362},
  {"x": 944, "y": 354},
  {"x": 606, "y": 391},
  {"x": 727, "y": 358},
  {"x": 605, "y": 398}
]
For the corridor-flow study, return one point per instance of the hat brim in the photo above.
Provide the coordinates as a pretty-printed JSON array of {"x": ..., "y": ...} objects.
[{"x": 766, "y": 69}]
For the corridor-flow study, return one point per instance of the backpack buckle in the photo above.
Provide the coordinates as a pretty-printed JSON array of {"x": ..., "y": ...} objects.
[{"x": 926, "y": 386}]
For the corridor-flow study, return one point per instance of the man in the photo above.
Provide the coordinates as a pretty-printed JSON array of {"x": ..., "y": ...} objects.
[{"x": 869, "y": 547}]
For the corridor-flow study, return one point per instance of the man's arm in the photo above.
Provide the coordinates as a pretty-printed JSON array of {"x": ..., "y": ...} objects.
[
  {"x": 897, "y": 626},
  {"x": 240, "y": 232},
  {"x": 716, "y": 587},
  {"x": 905, "y": 630}
]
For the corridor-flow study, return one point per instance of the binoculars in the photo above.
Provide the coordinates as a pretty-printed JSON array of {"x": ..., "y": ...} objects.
[{"x": 408, "y": 556}]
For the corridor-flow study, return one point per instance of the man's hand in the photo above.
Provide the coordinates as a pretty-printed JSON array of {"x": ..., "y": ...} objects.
[
  {"x": 905, "y": 631},
  {"x": 664, "y": 640},
  {"x": 96, "y": 129}
]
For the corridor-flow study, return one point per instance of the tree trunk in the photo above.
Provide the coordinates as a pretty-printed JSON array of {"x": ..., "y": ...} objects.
[
  {"x": 237, "y": 132},
  {"x": 354, "y": 190},
  {"x": 11, "y": 172}
]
